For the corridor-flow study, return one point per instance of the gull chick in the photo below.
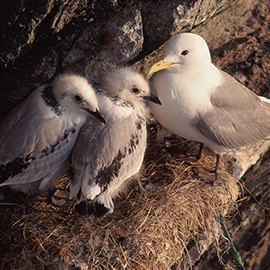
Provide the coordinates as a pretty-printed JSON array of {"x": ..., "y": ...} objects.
[
  {"x": 38, "y": 136},
  {"x": 202, "y": 103},
  {"x": 105, "y": 157}
]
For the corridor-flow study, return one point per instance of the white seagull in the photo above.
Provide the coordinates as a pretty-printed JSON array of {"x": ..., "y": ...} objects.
[
  {"x": 105, "y": 157},
  {"x": 202, "y": 103},
  {"x": 38, "y": 136}
]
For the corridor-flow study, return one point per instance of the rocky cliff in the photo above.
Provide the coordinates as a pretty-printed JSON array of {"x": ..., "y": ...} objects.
[{"x": 40, "y": 39}]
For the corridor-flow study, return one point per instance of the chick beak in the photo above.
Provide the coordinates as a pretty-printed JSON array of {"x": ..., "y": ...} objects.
[
  {"x": 97, "y": 115},
  {"x": 152, "y": 98}
]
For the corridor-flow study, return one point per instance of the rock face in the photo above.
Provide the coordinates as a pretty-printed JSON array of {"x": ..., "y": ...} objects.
[{"x": 41, "y": 39}]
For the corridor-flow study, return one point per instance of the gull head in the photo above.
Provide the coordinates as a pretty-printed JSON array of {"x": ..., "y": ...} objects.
[
  {"x": 128, "y": 85},
  {"x": 76, "y": 95},
  {"x": 182, "y": 53}
]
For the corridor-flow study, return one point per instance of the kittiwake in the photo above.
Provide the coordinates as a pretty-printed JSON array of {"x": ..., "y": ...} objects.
[
  {"x": 105, "y": 157},
  {"x": 201, "y": 102},
  {"x": 37, "y": 137}
]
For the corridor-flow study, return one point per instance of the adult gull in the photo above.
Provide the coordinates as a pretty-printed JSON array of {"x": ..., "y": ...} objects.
[{"x": 201, "y": 102}]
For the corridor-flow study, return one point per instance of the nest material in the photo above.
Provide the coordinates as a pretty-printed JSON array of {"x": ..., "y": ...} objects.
[{"x": 149, "y": 230}]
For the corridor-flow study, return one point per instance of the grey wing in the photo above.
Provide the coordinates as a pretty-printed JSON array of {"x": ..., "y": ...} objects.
[
  {"x": 104, "y": 154},
  {"x": 238, "y": 117},
  {"x": 31, "y": 145}
]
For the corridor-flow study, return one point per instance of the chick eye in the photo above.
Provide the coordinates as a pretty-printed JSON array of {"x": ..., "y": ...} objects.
[
  {"x": 135, "y": 90},
  {"x": 78, "y": 98},
  {"x": 185, "y": 52}
]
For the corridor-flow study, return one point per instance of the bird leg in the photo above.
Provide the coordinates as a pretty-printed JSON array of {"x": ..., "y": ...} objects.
[
  {"x": 61, "y": 198},
  {"x": 201, "y": 152},
  {"x": 138, "y": 180},
  {"x": 209, "y": 176},
  {"x": 199, "y": 156},
  {"x": 218, "y": 157}
]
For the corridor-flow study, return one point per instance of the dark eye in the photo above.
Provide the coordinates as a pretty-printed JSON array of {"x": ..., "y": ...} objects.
[
  {"x": 185, "y": 52},
  {"x": 78, "y": 98},
  {"x": 135, "y": 90}
]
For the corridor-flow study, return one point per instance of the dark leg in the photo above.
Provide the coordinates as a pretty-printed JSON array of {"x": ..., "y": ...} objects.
[
  {"x": 209, "y": 176},
  {"x": 217, "y": 165},
  {"x": 138, "y": 180},
  {"x": 60, "y": 197},
  {"x": 201, "y": 152}
]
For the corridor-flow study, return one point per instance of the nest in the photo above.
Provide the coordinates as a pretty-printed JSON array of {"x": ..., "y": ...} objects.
[{"x": 151, "y": 230}]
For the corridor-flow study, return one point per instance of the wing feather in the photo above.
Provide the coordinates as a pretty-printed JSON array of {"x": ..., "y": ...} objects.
[
  {"x": 111, "y": 152},
  {"x": 238, "y": 118},
  {"x": 33, "y": 141}
]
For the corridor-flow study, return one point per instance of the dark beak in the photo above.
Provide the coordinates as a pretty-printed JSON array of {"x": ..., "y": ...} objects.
[
  {"x": 98, "y": 115},
  {"x": 152, "y": 98}
]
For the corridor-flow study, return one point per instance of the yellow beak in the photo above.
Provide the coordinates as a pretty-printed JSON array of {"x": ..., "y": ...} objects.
[{"x": 159, "y": 66}]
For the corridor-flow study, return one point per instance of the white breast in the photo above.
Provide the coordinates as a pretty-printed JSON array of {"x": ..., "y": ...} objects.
[{"x": 183, "y": 96}]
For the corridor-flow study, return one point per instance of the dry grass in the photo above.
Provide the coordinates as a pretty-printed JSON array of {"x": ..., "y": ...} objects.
[{"x": 146, "y": 231}]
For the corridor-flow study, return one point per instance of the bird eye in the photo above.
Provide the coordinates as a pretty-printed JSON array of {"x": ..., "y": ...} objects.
[
  {"x": 78, "y": 98},
  {"x": 185, "y": 52},
  {"x": 135, "y": 90}
]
